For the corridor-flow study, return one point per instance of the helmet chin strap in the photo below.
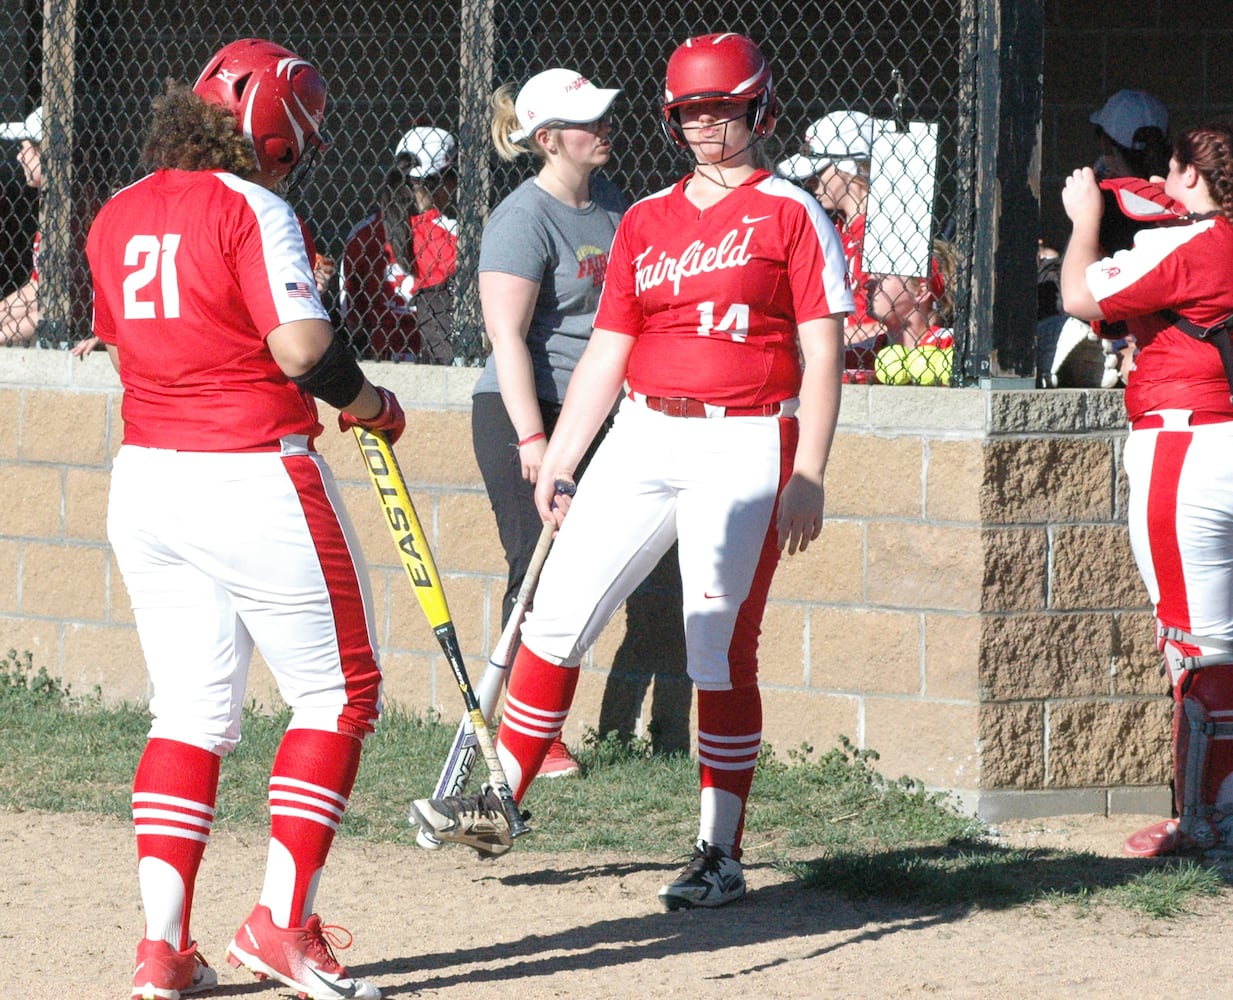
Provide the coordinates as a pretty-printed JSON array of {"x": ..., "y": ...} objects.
[
  {"x": 754, "y": 139},
  {"x": 299, "y": 173}
]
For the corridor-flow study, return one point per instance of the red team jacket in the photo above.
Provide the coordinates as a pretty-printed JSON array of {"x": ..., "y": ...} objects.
[
  {"x": 377, "y": 294},
  {"x": 852, "y": 236}
]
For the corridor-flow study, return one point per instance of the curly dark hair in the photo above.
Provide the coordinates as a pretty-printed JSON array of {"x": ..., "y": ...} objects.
[
  {"x": 188, "y": 133},
  {"x": 1209, "y": 148}
]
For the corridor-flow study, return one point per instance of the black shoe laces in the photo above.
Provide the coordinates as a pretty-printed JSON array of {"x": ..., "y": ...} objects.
[{"x": 706, "y": 859}]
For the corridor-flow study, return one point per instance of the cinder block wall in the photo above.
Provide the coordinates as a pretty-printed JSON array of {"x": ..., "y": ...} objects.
[{"x": 971, "y": 611}]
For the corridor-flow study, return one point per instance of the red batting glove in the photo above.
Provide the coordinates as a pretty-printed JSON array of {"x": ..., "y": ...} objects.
[{"x": 391, "y": 419}]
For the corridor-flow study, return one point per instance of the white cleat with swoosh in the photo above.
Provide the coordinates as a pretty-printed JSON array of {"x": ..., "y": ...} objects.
[{"x": 299, "y": 957}]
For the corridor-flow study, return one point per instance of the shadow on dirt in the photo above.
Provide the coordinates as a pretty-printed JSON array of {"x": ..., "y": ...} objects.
[
  {"x": 861, "y": 898},
  {"x": 980, "y": 874}
]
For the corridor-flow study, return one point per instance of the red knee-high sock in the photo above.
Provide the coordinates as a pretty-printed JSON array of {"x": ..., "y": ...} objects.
[
  {"x": 309, "y": 785},
  {"x": 174, "y": 791},
  {"x": 729, "y": 739},
  {"x": 536, "y": 703}
]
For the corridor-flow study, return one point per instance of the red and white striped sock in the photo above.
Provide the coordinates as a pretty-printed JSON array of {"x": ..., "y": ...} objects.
[
  {"x": 536, "y": 704},
  {"x": 309, "y": 786},
  {"x": 174, "y": 792},
  {"x": 729, "y": 740}
]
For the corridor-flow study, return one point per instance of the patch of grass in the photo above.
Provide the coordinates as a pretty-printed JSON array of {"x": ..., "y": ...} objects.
[
  {"x": 979, "y": 874},
  {"x": 839, "y": 801},
  {"x": 959, "y": 874},
  {"x": 1165, "y": 892},
  {"x": 22, "y": 688},
  {"x": 63, "y": 752},
  {"x": 869, "y": 837}
]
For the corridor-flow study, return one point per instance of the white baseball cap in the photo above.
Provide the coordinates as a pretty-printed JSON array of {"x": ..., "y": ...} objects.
[
  {"x": 558, "y": 97},
  {"x": 1126, "y": 112},
  {"x": 432, "y": 149},
  {"x": 31, "y": 128},
  {"x": 842, "y": 138}
]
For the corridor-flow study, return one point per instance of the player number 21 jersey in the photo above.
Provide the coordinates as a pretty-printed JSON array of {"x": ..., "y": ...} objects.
[{"x": 191, "y": 272}]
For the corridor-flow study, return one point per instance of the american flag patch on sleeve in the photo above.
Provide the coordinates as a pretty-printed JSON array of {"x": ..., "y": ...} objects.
[{"x": 299, "y": 290}]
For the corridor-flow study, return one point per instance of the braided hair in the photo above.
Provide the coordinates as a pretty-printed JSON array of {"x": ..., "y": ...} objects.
[{"x": 1209, "y": 148}]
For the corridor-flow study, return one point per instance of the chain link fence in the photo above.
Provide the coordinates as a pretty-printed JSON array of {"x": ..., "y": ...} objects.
[{"x": 395, "y": 68}]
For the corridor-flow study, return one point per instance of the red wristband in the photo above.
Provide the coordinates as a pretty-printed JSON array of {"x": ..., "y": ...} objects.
[{"x": 532, "y": 437}]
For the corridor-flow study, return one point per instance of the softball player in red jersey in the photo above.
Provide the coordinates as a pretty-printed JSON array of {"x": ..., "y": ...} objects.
[
  {"x": 715, "y": 289},
  {"x": 226, "y": 524},
  {"x": 1175, "y": 282}
]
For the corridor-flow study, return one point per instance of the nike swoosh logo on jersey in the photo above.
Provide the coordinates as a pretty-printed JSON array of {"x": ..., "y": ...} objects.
[
  {"x": 712, "y": 597},
  {"x": 746, "y": 220}
]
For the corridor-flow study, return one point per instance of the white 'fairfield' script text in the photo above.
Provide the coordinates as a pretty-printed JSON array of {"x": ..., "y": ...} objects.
[{"x": 697, "y": 258}]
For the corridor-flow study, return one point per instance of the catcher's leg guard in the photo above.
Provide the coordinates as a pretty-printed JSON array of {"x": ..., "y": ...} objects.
[{"x": 1202, "y": 747}]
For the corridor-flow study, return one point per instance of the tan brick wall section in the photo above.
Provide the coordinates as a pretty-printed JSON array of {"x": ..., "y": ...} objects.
[
  {"x": 10, "y": 423},
  {"x": 971, "y": 610}
]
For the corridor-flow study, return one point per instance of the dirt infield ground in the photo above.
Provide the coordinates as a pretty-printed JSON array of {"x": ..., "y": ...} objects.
[{"x": 531, "y": 926}]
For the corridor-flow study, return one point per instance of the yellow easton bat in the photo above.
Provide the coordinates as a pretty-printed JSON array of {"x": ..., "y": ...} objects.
[{"x": 416, "y": 557}]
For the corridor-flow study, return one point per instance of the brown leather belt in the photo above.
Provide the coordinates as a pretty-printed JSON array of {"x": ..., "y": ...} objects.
[{"x": 683, "y": 406}]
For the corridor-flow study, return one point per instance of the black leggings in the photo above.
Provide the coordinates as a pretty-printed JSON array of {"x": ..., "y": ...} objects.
[{"x": 512, "y": 497}]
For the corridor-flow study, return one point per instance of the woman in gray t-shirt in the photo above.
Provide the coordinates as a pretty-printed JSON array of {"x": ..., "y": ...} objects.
[{"x": 541, "y": 269}]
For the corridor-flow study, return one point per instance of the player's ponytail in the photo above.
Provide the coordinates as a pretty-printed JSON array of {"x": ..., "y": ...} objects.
[
  {"x": 1209, "y": 149},
  {"x": 504, "y": 123}
]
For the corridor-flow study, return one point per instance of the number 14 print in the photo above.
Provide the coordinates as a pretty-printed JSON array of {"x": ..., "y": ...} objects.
[{"x": 735, "y": 322}]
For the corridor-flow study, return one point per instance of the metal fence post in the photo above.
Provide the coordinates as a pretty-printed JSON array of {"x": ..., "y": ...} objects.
[
  {"x": 474, "y": 174},
  {"x": 1006, "y": 172},
  {"x": 56, "y": 191}
]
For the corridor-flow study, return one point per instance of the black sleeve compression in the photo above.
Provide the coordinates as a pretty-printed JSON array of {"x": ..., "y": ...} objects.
[{"x": 336, "y": 378}]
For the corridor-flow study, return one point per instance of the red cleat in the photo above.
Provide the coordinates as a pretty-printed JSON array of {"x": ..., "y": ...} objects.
[
  {"x": 1158, "y": 840},
  {"x": 558, "y": 763},
  {"x": 299, "y": 957},
  {"x": 166, "y": 974}
]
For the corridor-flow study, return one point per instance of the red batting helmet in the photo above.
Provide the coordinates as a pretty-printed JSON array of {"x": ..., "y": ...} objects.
[
  {"x": 722, "y": 67},
  {"x": 278, "y": 100}
]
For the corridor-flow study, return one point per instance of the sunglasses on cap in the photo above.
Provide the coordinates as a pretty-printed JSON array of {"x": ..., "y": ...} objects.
[{"x": 605, "y": 120}]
